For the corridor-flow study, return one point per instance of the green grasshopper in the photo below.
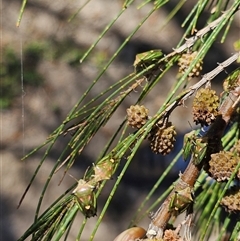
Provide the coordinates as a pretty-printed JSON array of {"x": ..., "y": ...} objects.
[
  {"x": 85, "y": 194},
  {"x": 145, "y": 59},
  {"x": 180, "y": 201},
  {"x": 195, "y": 146}
]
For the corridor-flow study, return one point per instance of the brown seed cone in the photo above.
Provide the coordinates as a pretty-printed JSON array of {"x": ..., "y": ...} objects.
[
  {"x": 171, "y": 235},
  {"x": 162, "y": 139},
  {"x": 222, "y": 165},
  {"x": 231, "y": 200},
  {"x": 137, "y": 116},
  {"x": 205, "y": 107},
  {"x": 185, "y": 61}
]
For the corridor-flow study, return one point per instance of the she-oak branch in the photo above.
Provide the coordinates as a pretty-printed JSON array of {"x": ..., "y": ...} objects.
[{"x": 212, "y": 138}]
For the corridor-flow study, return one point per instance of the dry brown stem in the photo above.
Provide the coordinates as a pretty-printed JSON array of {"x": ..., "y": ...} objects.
[{"x": 188, "y": 178}]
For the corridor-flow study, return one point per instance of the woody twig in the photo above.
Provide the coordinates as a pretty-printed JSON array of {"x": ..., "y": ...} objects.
[
  {"x": 205, "y": 79},
  {"x": 185, "y": 184},
  {"x": 200, "y": 34}
]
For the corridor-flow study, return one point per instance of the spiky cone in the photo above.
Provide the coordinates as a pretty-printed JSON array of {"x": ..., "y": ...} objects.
[
  {"x": 162, "y": 138},
  {"x": 231, "y": 200},
  {"x": 137, "y": 116},
  {"x": 171, "y": 235},
  {"x": 222, "y": 165},
  {"x": 186, "y": 60},
  {"x": 205, "y": 106}
]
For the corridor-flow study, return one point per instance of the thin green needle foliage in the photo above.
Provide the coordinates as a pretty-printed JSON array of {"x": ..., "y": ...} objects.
[
  {"x": 108, "y": 27},
  {"x": 224, "y": 227},
  {"x": 139, "y": 215},
  {"x": 235, "y": 233},
  {"x": 24, "y": 2},
  {"x": 78, "y": 11}
]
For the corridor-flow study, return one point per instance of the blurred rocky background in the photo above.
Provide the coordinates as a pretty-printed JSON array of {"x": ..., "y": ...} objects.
[{"x": 45, "y": 50}]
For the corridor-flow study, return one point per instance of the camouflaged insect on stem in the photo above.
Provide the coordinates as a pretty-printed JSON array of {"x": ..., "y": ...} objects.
[
  {"x": 232, "y": 81},
  {"x": 200, "y": 149},
  {"x": 180, "y": 201},
  {"x": 195, "y": 146},
  {"x": 144, "y": 60},
  {"x": 188, "y": 144},
  {"x": 86, "y": 197},
  {"x": 104, "y": 170}
]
